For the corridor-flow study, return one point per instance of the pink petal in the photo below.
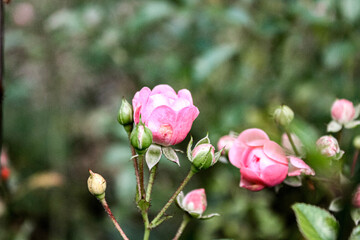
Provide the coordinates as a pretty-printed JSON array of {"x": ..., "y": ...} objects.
[
  {"x": 160, "y": 123},
  {"x": 153, "y": 102},
  {"x": 238, "y": 153},
  {"x": 184, "y": 121},
  {"x": 164, "y": 89},
  {"x": 274, "y": 174},
  {"x": 196, "y": 201},
  {"x": 298, "y": 166},
  {"x": 185, "y": 94},
  {"x": 250, "y": 185},
  {"x": 139, "y": 100},
  {"x": 250, "y": 176},
  {"x": 253, "y": 137},
  {"x": 275, "y": 152}
]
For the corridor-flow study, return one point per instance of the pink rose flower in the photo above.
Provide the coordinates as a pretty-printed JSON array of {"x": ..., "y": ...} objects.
[
  {"x": 298, "y": 167},
  {"x": 225, "y": 142},
  {"x": 195, "y": 201},
  {"x": 344, "y": 113},
  {"x": 262, "y": 162},
  {"x": 329, "y": 146},
  {"x": 168, "y": 115}
]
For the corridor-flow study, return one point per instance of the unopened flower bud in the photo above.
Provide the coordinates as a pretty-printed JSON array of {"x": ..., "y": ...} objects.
[
  {"x": 356, "y": 142},
  {"x": 195, "y": 202},
  {"x": 96, "y": 185},
  {"x": 125, "y": 116},
  {"x": 283, "y": 115},
  {"x": 226, "y": 143},
  {"x": 141, "y": 138},
  {"x": 203, "y": 156},
  {"x": 328, "y": 146}
]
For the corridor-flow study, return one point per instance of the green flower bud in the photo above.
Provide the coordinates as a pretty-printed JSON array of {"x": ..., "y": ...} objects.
[
  {"x": 356, "y": 142},
  {"x": 96, "y": 185},
  {"x": 141, "y": 138},
  {"x": 125, "y": 116},
  {"x": 203, "y": 156},
  {"x": 283, "y": 115}
]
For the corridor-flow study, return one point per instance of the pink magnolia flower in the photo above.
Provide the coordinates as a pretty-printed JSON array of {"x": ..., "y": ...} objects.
[
  {"x": 298, "y": 166},
  {"x": 344, "y": 113},
  {"x": 168, "y": 115},
  {"x": 225, "y": 142},
  {"x": 329, "y": 146},
  {"x": 195, "y": 201},
  {"x": 262, "y": 162}
]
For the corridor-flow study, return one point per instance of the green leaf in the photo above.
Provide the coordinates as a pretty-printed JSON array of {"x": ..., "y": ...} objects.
[
  {"x": 355, "y": 215},
  {"x": 188, "y": 150},
  {"x": 209, "y": 216},
  {"x": 293, "y": 181},
  {"x": 153, "y": 155},
  {"x": 171, "y": 155},
  {"x": 350, "y": 9},
  {"x": 315, "y": 223},
  {"x": 336, "y": 204},
  {"x": 355, "y": 234}
]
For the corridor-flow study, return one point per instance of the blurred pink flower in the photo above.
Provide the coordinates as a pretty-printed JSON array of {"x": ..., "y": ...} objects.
[
  {"x": 298, "y": 166},
  {"x": 195, "y": 201},
  {"x": 262, "y": 162},
  {"x": 168, "y": 115},
  {"x": 226, "y": 142},
  {"x": 329, "y": 146},
  {"x": 344, "y": 113},
  {"x": 23, "y": 14},
  {"x": 356, "y": 198}
]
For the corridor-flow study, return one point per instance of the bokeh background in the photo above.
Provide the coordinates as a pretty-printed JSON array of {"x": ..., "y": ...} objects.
[{"x": 68, "y": 64}]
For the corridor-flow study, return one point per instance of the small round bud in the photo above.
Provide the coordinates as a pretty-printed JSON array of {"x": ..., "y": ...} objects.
[
  {"x": 195, "y": 202},
  {"x": 141, "y": 138},
  {"x": 328, "y": 146},
  {"x": 96, "y": 185},
  {"x": 203, "y": 156},
  {"x": 125, "y": 116},
  {"x": 356, "y": 142},
  {"x": 283, "y": 115}
]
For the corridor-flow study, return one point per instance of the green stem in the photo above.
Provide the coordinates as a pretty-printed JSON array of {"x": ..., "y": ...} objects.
[
  {"x": 184, "y": 222},
  {"x": 133, "y": 153},
  {"x": 151, "y": 183},
  {"x": 172, "y": 199},
  {"x": 292, "y": 142},
  {"x": 141, "y": 176},
  {"x": 146, "y": 224},
  {"x": 146, "y": 233}
]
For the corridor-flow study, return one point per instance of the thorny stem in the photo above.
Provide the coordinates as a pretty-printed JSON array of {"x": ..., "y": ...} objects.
[
  {"x": 184, "y": 222},
  {"x": 292, "y": 142},
  {"x": 172, "y": 199},
  {"x": 116, "y": 224},
  {"x": 1, "y": 70},
  {"x": 355, "y": 158},
  {"x": 133, "y": 153},
  {"x": 151, "y": 183}
]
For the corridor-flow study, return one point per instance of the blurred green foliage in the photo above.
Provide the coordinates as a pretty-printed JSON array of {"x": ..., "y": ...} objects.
[{"x": 68, "y": 63}]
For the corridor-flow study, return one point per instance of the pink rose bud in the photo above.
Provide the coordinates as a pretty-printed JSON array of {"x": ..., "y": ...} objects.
[
  {"x": 168, "y": 115},
  {"x": 141, "y": 138},
  {"x": 226, "y": 142},
  {"x": 262, "y": 162},
  {"x": 203, "y": 156},
  {"x": 298, "y": 167},
  {"x": 195, "y": 202},
  {"x": 343, "y": 111},
  {"x": 328, "y": 146},
  {"x": 96, "y": 185},
  {"x": 285, "y": 142},
  {"x": 356, "y": 198}
]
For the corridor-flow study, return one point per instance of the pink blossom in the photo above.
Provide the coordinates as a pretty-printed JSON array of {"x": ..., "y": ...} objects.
[
  {"x": 262, "y": 162},
  {"x": 168, "y": 115},
  {"x": 298, "y": 166},
  {"x": 195, "y": 201},
  {"x": 356, "y": 198},
  {"x": 343, "y": 111},
  {"x": 226, "y": 142},
  {"x": 328, "y": 146}
]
